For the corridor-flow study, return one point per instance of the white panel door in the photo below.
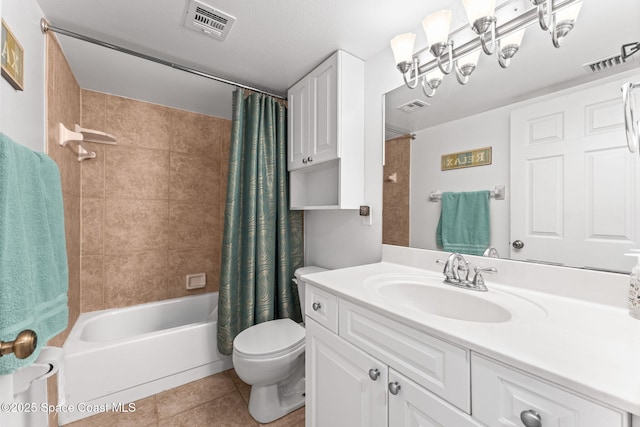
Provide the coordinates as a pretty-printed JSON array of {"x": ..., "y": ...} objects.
[
  {"x": 298, "y": 124},
  {"x": 340, "y": 387},
  {"x": 414, "y": 406},
  {"x": 574, "y": 191},
  {"x": 323, "y": 82}
]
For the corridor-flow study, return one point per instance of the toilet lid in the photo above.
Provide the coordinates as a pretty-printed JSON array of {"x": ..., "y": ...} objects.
[{"x": 270, "y": 337}]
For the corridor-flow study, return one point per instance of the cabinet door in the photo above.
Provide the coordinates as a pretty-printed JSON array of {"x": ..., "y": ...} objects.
[
  {"x": 414, "y": 406},
  {"x": 323, "y": 83},
  {"x": 298, "y": 124},
  {"x": 339, "y": 389},
  {"x": 501, "y": 395}
]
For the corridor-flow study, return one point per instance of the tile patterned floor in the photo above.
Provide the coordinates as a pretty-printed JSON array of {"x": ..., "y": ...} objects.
[{"x": 216, "y": 401}]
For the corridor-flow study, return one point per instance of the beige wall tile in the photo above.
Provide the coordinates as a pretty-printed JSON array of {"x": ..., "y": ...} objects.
[
  {"x": 195, "y": 134},
  {"x": 192, "y": 225},
  {"x": 137, "y": 278},
  {"x": 73, "y": 295},
  {"x": 188, "y": 396},
  {"x": 72, "y": 221},
  {"x": 92, "y": 172},
  {"x": 225, "y": 145},
  {"x": 228, "y": 411},
  {"x": 94, "y": 110},
  {"x": 138, "y": 124},
  {"x": 193, "y": 261},
  {"x": 92, "y": 279},
  {"x": 195, "y": 178},
  {"x": 135, "y": 225},
  {"x": 92, "y": 226},
  {"x": 133, "y": 173}
]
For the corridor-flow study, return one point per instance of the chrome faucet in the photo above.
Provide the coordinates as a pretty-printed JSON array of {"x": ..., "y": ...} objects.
[{"x": 456, "y": 273}]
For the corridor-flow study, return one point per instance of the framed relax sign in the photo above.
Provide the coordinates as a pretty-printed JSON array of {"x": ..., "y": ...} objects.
[
  {"x": 466, "y": 159},
  {"x": 12, "y": 58}
]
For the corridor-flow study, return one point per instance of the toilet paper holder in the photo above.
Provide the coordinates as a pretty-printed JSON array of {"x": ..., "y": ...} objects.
[{"x": 23, "y": 346}]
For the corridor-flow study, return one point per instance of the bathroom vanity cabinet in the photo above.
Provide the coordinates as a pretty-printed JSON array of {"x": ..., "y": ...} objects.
[
  {"x": 326, "y": 135},
  {"x": 364, "y": 368}
]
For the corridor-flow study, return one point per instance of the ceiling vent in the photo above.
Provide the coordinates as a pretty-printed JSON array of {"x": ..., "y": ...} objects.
[
  {"x": 626, "y": 51},
  {"x": 205, "y": 19},
  {"x": 411, "y": 106}
]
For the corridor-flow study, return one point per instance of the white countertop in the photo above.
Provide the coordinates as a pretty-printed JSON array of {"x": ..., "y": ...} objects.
[{"x": 592, "y": 349}]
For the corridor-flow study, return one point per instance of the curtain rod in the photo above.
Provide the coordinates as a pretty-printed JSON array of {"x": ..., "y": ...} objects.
[{"x": 46, "y": 26}]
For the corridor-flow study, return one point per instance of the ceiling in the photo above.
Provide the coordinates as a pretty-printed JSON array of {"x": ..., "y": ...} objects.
[
  {"x": 271, "y": 45},
  {"x": 275, "y": 43}
]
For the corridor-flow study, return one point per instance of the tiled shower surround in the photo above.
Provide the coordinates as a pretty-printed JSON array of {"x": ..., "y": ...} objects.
[
  {"x": 395, "y": 200},
  {"x": 138, "y": 218},
  {"x": 152, "y": 205}
]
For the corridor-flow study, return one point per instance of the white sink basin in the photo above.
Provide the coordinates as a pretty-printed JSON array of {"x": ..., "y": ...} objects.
[{"x": 428, "y": 295}]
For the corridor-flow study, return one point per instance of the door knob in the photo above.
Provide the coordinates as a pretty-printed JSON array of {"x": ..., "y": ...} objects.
[
  {"x": 394, "y": 388},
  {"x": 518, "y": 244},
  {"x": 531, "y": 418},
  {"x": 374, "y": 374},
  {"x": 304, "y": 161},
  {"x": 310, "y": 159}
]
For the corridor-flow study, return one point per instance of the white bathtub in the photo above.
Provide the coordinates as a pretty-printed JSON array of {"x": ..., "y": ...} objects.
[{"x": 122, "y": 355}]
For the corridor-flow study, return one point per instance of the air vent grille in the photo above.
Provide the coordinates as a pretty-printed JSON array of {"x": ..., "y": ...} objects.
[
  {"x": 205, "y": 19},
  {"x": 626, "y": 51},
  {"x": 411, "y": 106}
]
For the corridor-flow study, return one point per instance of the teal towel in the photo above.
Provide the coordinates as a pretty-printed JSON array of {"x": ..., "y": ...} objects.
[
  {"x": 33, "y": 257},
  {"x": 464, "y": 222}
]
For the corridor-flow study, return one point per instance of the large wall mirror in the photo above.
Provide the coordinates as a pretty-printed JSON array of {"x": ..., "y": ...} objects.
[{"x": 556, "y": 132}]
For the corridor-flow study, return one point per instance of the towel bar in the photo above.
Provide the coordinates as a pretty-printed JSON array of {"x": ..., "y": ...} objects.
[
  {"x": 498, "y": 194},
  {"x": 23, "y": 346}
]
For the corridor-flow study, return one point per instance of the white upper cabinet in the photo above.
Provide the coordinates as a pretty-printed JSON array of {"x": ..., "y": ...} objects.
[{"x": 326, "y": 135}]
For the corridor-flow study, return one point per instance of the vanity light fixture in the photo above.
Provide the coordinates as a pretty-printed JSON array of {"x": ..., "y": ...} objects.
[{"x": 556, "y": 16}]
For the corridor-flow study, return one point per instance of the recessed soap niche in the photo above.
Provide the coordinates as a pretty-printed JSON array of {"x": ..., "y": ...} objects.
[{"x": 79, "y": 135}]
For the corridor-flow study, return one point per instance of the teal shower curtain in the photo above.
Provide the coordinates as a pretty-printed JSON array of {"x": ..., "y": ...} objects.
[{"x": 263, "y": 243}]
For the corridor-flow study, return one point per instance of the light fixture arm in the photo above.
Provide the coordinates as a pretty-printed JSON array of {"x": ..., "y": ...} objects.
[
  {"x": 449, "y": 52},
  {"x": 463, "y": 73},
  {"x": 489, "y": 49},
  {"x": 545, "y": 8},
  {"x": 413, "y": 68},
  {"x": 425, "y": 83}
]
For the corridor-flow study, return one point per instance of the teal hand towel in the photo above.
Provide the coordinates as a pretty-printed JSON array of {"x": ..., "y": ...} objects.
[
  {"x": 33, "y": 257},
  {"x": 464, "y": 222}
]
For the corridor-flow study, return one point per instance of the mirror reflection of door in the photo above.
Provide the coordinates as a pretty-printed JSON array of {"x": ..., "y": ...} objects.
[
  {"x": 575, "y": 195},
  {"x": 395, "y": 200}
]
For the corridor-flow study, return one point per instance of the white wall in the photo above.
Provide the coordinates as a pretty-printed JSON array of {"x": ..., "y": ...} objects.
[
  {"x": 488, "y": 129},
  {"x": 22, "y": 113},
  {"x": 335, "y": 239}
]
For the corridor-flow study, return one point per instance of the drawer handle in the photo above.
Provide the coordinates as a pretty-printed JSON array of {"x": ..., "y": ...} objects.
[
  {"x": 531, "y": 418},
  {"x": 316, "y": 306},
  {"x": 310, "y": 159},
  {"x": 304, "y": 161},
  {"x": 374, "y": 374},
  {"x": 394, "y": 388}
]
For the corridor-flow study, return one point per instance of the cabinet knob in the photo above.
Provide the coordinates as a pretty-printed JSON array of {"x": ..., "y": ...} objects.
[
  {"x": 304, "y": 161},
  {"x": 518, "y": 244},
  {"x": 310, "y": 159},
  {"x": 374, "y": 374},
  {"x": 316, "y": 306},
  {"x": 531, "y": 418},
  {"x": 394, "y": 388}
]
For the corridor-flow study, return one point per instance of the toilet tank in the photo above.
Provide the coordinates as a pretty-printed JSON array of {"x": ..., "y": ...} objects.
[{"x": 300, "y": 283}]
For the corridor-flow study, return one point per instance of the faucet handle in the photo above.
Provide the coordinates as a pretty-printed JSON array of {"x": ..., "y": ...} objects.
[
  {"x": 478, "y": 280},
  {"x": 448, "y": 273}
]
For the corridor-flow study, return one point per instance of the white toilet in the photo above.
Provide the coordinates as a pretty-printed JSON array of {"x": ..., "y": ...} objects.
[{"x": 270, "y": 357}]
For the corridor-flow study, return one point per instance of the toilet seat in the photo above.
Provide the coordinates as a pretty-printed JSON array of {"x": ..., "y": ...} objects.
[{"x": 269, "y": 339}]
